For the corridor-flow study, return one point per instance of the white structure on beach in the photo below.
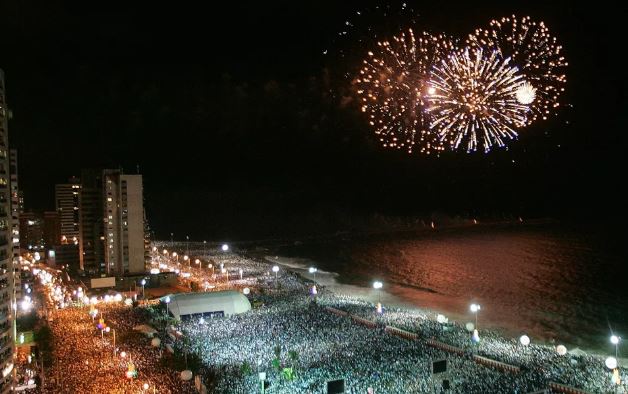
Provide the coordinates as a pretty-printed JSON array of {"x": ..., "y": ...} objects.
[{"x": 208, "y": 304}]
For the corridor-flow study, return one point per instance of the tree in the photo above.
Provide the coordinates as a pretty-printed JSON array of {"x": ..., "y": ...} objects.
[
  {"x": 245, "y": 368},
  {"x": 294, "y": 358}
]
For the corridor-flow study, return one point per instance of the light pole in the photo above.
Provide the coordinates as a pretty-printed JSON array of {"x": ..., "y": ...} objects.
[
  {"x": 262, "y": 378},
  {"x": 313, "y": 272},
  {"x": 171, "y": 240},
  {"x": 198, "y": 262},
  {"x": 204, "y": 248},
  {"x": 615, "y": 341},
  {"x": 176, "y": 256},
  {"x": 187, "y": 258},
  {"x": 187, "y": 244},
  {"x": 378, "y": 285},
  {"x": 143, "y": 284},
  {"x": 241, "y": 272},
  {"x": 225, "y": 247},
  {"x": 212, "y": 267},
  {"x": 167, "y": 300},
  {"x": 275, "y": 270},
  {"x": 475, "y": 308}
]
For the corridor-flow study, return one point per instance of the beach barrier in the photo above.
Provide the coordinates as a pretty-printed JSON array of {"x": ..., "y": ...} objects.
[
  {"x": 357, "y": 319},
  {"x": 496, "y": 364},
  {"x": 445, "y": 347},
  {"x": 363, "y": 321},
  {"x": 401, "y": 333},
  {"x": 561, "y": 388},
  {"x": 336, "y": 311}
]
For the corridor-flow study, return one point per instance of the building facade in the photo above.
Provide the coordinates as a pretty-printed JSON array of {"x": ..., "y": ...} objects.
[
  {"x": 52, "y": 229},
  {"x": 67, "y": 202},
  {"x": 31, "y": 225},
  {"x": 91, "y": 240},
  {"x": 123, "y": 223},
  {"x": 16, "y": 209},
  {"x": 6, "y": 252}
]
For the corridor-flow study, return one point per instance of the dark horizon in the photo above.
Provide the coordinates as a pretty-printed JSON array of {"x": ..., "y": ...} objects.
[{"x": 237, "y": 120}]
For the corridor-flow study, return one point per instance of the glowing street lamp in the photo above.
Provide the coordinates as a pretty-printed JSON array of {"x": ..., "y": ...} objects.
[
  {"x": 167, "y": 300},
  {"x": 176, "y": 256},
  {"x": 143, "y": 282},
  {"x": 377, "y": 285},
  {"x": 611, "y": 363},
  {"x": 165, "y": 252},
  {"x": 475, "y": 308},
  {"x": 615, "y": 341},
  {"x": 525, "y": 340},
  {"x": 275, "y": 270},
  {"x": 210, "y": 265},
  {"x": 225, "y": 247},
  {"x": 312, "y": 271},
  {"x": 241, "y": 271},
  {"x": 198, "y": 262},
  {"x": 262, "y": 378}
]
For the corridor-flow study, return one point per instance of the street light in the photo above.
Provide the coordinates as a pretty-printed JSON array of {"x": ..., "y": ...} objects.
[
  {"x": 275, "y": 270},
  {"x": 143, "y": 282},
  {"x": 225, "y": 247},
  {"x": 615, "y": 341},
  {"x": 525, "y": 340},
  {"x": 262, "y": 378},
  {"x": 187, "y": 244},
  {"x": 210, "y": 265},
  {"x": 475, "y": 308},
  {"x": 204, "y": 248},
  {"x": 611, "y": 363},
  {"x": 313, "y": 272},
  {"x": 198, "y": 262},
  {"x": 241, "y": 273},
  {"x": 167, "y": 300},
  {"x": 378, "y": 285}
]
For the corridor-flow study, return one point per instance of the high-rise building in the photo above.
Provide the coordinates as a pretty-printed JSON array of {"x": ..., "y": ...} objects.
[
  {"x": 52, "y": 229},
  {"x": 32, "y": 231},
  {"x": 67, "y": 200},
  {"x": 20, "y": 201},
  {"x": 6, "y": 252},
  {"x": 91, "y": 240},
  {"x": 16, "y": 209},
  {"x": 124, "y": 223}
]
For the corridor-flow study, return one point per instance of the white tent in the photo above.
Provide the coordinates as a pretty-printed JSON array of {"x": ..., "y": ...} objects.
[{"x": 221, "y": 302}]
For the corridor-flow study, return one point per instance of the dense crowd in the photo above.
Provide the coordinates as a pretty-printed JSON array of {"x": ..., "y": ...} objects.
[
  {"x": 331, "y": 347},
  {"x": 581, "y": 371},
  {"x": 85, "y": 363},
  {"x": 289, "y": 328}
]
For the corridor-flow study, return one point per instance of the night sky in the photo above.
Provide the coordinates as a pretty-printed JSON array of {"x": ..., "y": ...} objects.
[{"x": 243, "y": 127}]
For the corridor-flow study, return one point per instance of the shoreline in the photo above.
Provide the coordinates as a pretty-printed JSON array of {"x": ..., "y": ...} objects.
[{"x": 393, "y": 301}]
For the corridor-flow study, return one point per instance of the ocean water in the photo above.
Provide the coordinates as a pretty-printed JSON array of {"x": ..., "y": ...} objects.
[{"x": 554, "y": 282}]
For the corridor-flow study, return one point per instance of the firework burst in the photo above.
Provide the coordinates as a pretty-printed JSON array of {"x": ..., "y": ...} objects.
[
  {"x": 472, "y": 101},
  {"x": 535, "y": 52},
  {"x": 392, "y": 90}
]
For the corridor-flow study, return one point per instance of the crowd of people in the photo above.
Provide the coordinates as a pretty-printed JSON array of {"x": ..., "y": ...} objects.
[
  {"x": 84, "y": 360},
  {"x": 331, "y": 347},
  {"x": 292, "y": 337}
]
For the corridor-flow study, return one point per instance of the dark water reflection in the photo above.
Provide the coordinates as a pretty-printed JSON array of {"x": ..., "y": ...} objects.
[{"x": 552, "y": 281}]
